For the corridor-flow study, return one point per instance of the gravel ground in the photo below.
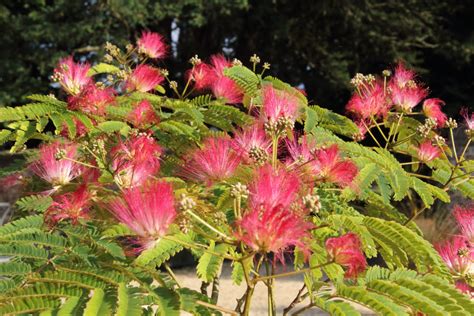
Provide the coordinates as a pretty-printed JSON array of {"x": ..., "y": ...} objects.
[{"x": 285, "y": 291}]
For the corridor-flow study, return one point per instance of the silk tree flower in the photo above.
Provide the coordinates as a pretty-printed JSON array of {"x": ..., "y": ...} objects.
[
  {"x": 55, "y": 165},
  {"x": 222, "y": 86},
  {"x": 432, "y": 109},
  {"x": 148, "y": 210},
  {"x": 458, "y": 255},
  {"x": 465, "y": 219},
  {"x": 144, "y": 78},
  {"x": 152, "y": 44},
  {"x": 468, "y": 119},
  {"x": 428, "y": 152},
  {"x": 404, "y": 91},
  {"x": 329, "y": 166},
  {"x": 143, "y": 115},
  {"x": 135, "y": 160},
  {"x": 346, "y": 251},
  {"x": 72, "y": 76},
  {"x": 274, "y": 230},
  {"x": 215, "y": 161},
  {"x": 92, "y": 100},
  {"x": 463, "y": 287},
  {"x": 252, "y": 144},
  {"x": 369, "y": 102},
  {"x": 202, "y": 75},
  {"x": 279, "y": 105},
  {"x": 272, "y": 188},
  {"x": 72, "y": 205}
]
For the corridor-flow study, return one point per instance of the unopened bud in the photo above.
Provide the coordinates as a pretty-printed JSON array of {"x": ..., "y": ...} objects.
[
  {"x": 254, "y": 59},
  {"x": 186, "y": 203},
  {"x": 239, "y": 190}
]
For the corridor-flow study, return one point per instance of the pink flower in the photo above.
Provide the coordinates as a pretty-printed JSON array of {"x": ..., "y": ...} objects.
[
  {"x": 273, "y": 188},
  {"x": 465, "y": 218},
  {"x": 432, "y": 109},
  {"x": 274, "y": 230},
  {"x": 55, "y": 165},
  {"x": 458, "y": 255},
  {"x": 144, "y": 78},
  {"x": 72, "y": 77},
  {"x": 152, "y": 44},
  {"x": 346, "y": 251},
  {"x": 222, "y": 86},
  {"x": 463, "y": 287},
  {"x": 72, "y": 205},
  {"x": 92, "y": 100},
  {"x": 427, "y": 152},
  {"x": 279, "y": 105},
  {"x": 362, "y": 126},
  {"x": 469, "y": 119},
  {"x": 202, "y": 75},
  {"x": 81, "y": 129},
  {"x": 12, "y": 180},
  {"x": 215, "y": 161},
  {"x": 252, "y": 144},
  {"x": 135, "y": 160},
  {"x": 330, "y": 167},
  {"x": 405, "y": 92},
  {"x": 370, "y": 101},
  {"x": 143, "y": 115},
  {"x": 148, "y": 210}
]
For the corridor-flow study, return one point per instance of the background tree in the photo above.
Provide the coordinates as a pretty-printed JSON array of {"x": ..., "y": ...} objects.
[{"x": 317, "y": 44}]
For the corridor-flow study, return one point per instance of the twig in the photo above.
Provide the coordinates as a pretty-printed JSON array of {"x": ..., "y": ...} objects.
[{"x": 297, "y": 299}]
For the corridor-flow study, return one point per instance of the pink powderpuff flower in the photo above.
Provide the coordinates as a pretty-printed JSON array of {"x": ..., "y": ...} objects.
[
  {"x": 144, "y": 78},
  {"x": 463, "y": 287},
  {"x": 427, "y": 152},
  {"x": 362, "y": 126},
  {"x": 202, "y": 75},
  {"x": 72, "y": 76},
  {"x": 252, "y": 144},
  {"x": 330, "y": 167},
  {"x": 135, "y": 160},
  {"x": 370, "y": 101},
  {"x": 55, "y": 165},
  {"x": 279, "y": 105},
  {"x": 148, "y": 210},
  {"x": 72, "y": 205},
  {"x": 405, "y": 92},
  {"x": 143, "y": 115},
  {"x": 215, "y": 161},
  {"x": 152, "y": 44},
  {"x": 222, "y": 86},
  {"x": 12, "y": 180},
  {"x": 432, "y": 109},
  {"x": 469, "y": 119},
  {"x": 92, "y": 100},
  {"x": 465, "y": 218},
  {"x": 274, "y": 230},
  {"x": 272, "y": 188},
  {"x": 458, "y": 255},
  {"x": 346, "y": 251}
]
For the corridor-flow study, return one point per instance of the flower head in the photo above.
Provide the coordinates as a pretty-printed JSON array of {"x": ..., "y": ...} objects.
[
  {"x": 152, "y": 44},
  {"x": 458, "y": 255},
  {"x": 274, "y": 230},
  {"x": 55, "y": 164},
  {"x": 144, "y": 78},
  {"x": 405, "y": 92},
  {"x": 369, "y": 101},
  {"x": 279, "y": 105},
  {"x": 432, "y": 109},
  {"x": 148, "y": 210},
  {"x": 273, "y": 188},
  {"x": 92, "y": 100},
  {"x": 465, "y": 218},
  {"x": 469, "y": 119},
  {"x": 72, "y": 205},
  {"x": 252, "y": 144},
  {"x": 329, "y": 166},
  {"x": 12, "y": 180},
  {"x": 428, "y": 152},
  {"x": 346, "y": 251},
  {"x": 72, "y": 76},
  {"x": 222, "y": 86},
  {"x": 215, "y": 161},
  {"x": 135, "y": 160},
  {"x": 143, "y": 115},
  {"x": 203, "y": 76}
]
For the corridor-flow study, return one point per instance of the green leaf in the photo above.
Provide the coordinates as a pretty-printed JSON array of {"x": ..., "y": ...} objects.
[
  {"x": 246, "y": 79},
  {"x": 101, "y": 68},
  {"x": 168, "y": 302},
  {"x": 95, "y": 303},
  {"x": 128, "y": 303},
  {"x": 163, "y": 250},
  {"x": 209, "y": 265},
  {"x": 37, "y": 203}
]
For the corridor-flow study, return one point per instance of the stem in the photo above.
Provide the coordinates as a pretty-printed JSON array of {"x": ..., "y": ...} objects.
[
  {"x": 380, "y": 130},
  {"x": 186, "y": 87},
  {"x": 453, "y": 144},
  {"x": 409, "y": 163},
  {"x": 297, "y": 299},
  {"x": 281, "y": 275},
  {"x": 372, "y": 135},
  {"x": 81, "y": 163},
  {"x": 271, "y": 300},
  {"x": 199, "y": 219},
  {"x": 398, "y": 125},
  {"x": 215, "y": 290},
  {"x": 248, "y": 300},
  {"x": 217, "y": 307},
  {"x": 171, "y": 273},
  {"x": 420, "y": 175},
  {"x": 199, "y": 246},
  {"x": 274, "y": 150},
  {"x": 465, "y": 149}
]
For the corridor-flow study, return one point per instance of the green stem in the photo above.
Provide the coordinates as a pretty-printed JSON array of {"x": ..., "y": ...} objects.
[
  {"x": 256, "y": 280},
  {"x": 274, "y": 150},
  {"x": 171, "y": 273},
  {"x": 453, "y": 144},
  {"x": 465, "y": 149},
  {"x": 199, "y": 219},
  {"x": 380, "y": 130},
  {"x": 271, "y": 300},
  {"x": 372, "y": 135}
]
